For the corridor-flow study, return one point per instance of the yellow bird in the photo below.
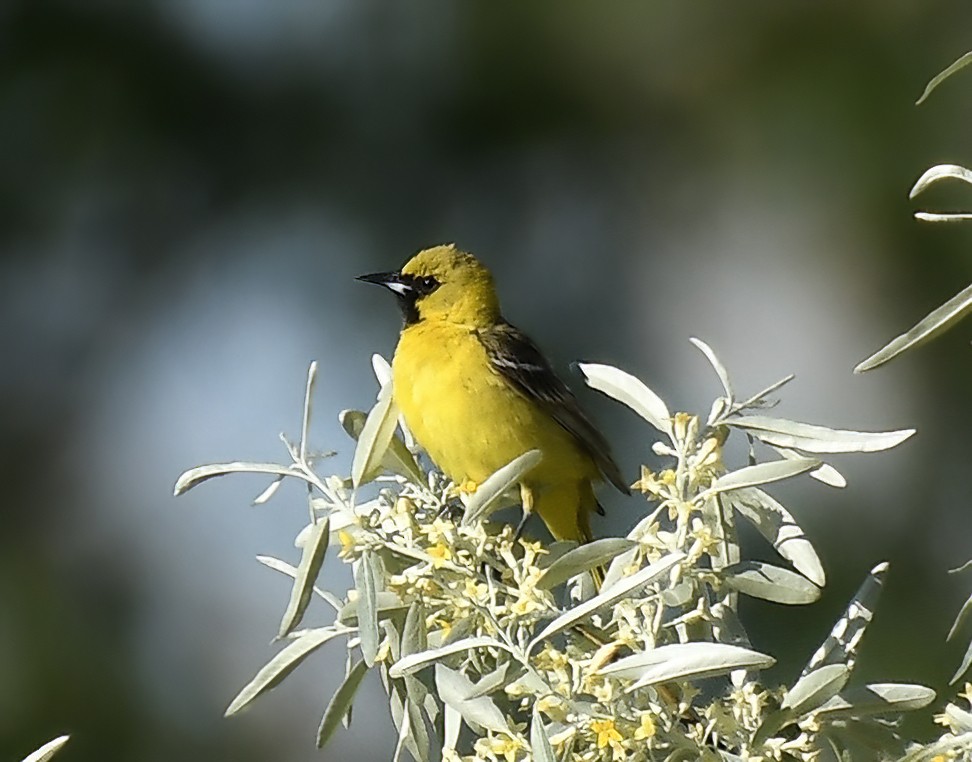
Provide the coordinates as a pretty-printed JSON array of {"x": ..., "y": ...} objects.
[{"x": 477, "y": 393}]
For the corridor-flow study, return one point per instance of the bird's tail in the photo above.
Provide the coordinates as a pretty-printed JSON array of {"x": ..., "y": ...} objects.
[
  {"x": 566, "y": 511},
  {"x": 584, "y": 527}
]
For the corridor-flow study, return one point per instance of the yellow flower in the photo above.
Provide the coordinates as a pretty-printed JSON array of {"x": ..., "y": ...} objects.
[
  {"x": 496, "y": 747},
  {"x": 440, "y": 554},
  {"x": 647, "y": 481},
  {"x": 647, "y": 727},
  {"x": 607, "y": 734},
  {"x": 347, "y": 543}
]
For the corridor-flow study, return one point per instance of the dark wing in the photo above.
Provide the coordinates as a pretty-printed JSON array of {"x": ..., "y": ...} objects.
[{"x": 515, "y": 357}]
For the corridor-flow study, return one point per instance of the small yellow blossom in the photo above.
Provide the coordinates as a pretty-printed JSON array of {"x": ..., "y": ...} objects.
[
  {"x": 498, "y": 747},
  {"x": 646, "y": 729},
  {"x": 646, "y": 482},
  {"x": 347, "y": 543},
  {"x": 445, "y": 627},
  {"x": 440, "y": 554},
  {"x": 607, "y": 734}
]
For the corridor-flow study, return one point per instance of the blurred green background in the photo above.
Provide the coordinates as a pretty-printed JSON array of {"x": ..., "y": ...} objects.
[{"x": 187, "y": 188}]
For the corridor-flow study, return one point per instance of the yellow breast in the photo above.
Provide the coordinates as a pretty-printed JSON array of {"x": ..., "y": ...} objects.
[{"x": 466, "y": 415}]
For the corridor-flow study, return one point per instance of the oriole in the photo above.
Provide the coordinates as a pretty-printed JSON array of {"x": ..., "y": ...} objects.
[{"x": 476, "y": 392}]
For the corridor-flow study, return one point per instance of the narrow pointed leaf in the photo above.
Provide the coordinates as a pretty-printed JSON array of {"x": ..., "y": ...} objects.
[
  {"x": 583, "y": 558},
  {"x": 367, "y": 609},
  {"x": 955, "y": 66},
  {"x": 387, "y": 604},
  {"x": 815, "y": 689},
  {"x": 311, "y": 560},
  {"x": 616, "y": 592},
  {"x": 717, "y": 365},
  {"x": 960, "y": 618},
  {"x": 491, "y": 682},
  {"x": 496, "y": 485},
  {"x": 414, "y": 634},
  {"x": 340, "y": 703},
  {"x": 382, "y": 369},
  {"x": 308, "y": 404},
  {"x": 826, "y": 474},
  {"x": 291, "y": 571},
  {"x": 940, "y": 172},
  {"x": 934, "y": 323},
  {"x": 811, "y": 438},
  {"x": 47, "y": 751},
  {"x": 376, "y": 435},
  {"x": 776, "y": 524},
  {"x": 408, "y": 664},
  {"x": 282, "y": 664},
  {"x": 630, "y": 391},
  {"x": 964, "y": 666},
  {"x": 269, "y": 492},
  {"x": 397, "y": 458},
  {"x": 771, "y": 583},
  {"x": 617, "y": 567},
  {"x": 844, "y": 641},
  {"x": 479, "y": 712},
  {"x": 397, "y": 704},
  {"x": 199, "y": 474},
  {"x": 539, "y": 742},
  {"x": 761, "y": 473},
  {"x": 877, "y": 698},
  {"x": 685, "y": 661}
]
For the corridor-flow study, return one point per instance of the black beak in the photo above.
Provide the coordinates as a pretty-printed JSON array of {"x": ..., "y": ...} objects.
[
  {"x": 403, "y": 286},
  {"x": 393, "y": 281}
]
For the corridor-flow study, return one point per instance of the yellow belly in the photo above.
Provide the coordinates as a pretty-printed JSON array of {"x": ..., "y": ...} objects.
[{"x": 469, "y": 419}]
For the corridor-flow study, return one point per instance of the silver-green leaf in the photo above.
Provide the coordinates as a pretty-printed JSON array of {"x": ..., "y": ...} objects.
[
  {"x": 771, "y": 583},
  {"x": 629, "y": 391},
  {"x": 340, "y": 702},
  {"x": 934, "y": 323},
  {"x": 816, "y": 688},
  {"x": 778, "y": 526},
  {"x": 761, "y": 473},
  {"x": 367, "y": 609},
  {"x": 955, "y": 66},
  {"x": 47, "y": 751},
  {"x": 811, "y": 438},
  {"x": 397, "y": 458},
  {"x": 454, "y": 687},
  {"x": 412, "y": 662},
  {"x": 583, "y": 558},
  {"x": 376, "y": 435},
  {"x": 539, "y": 742},
  {"x": 311, "y": 560},
  {"x": 189, "y": 479},
  {"x": 487, "y": 495},
  {"x": 606, "y": 597},
  {"x": 281, "y": 665},
  {"x": 877, "y": 698},
  {"x": 717, "y": 365},
  {"x": 685, "y": 661}
]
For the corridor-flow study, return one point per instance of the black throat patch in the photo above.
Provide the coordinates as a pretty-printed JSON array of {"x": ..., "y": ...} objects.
[{"x": 415, "y": 287}]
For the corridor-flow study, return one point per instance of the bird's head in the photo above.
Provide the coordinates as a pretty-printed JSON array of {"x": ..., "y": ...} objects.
[{"x": 443, "y": 283}]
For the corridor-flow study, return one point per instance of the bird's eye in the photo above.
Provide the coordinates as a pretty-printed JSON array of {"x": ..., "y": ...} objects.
[{"x": 428, "y": 284}]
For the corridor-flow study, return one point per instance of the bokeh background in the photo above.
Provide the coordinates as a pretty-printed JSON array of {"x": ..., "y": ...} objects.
[{"x": 187, "y": 188}]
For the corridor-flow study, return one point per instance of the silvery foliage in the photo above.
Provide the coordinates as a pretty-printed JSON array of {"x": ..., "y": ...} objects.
[{"x": 492, "y": 647}]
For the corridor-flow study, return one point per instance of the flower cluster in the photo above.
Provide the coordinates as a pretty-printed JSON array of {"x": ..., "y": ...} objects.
[{"x": 493, "y": 647}]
